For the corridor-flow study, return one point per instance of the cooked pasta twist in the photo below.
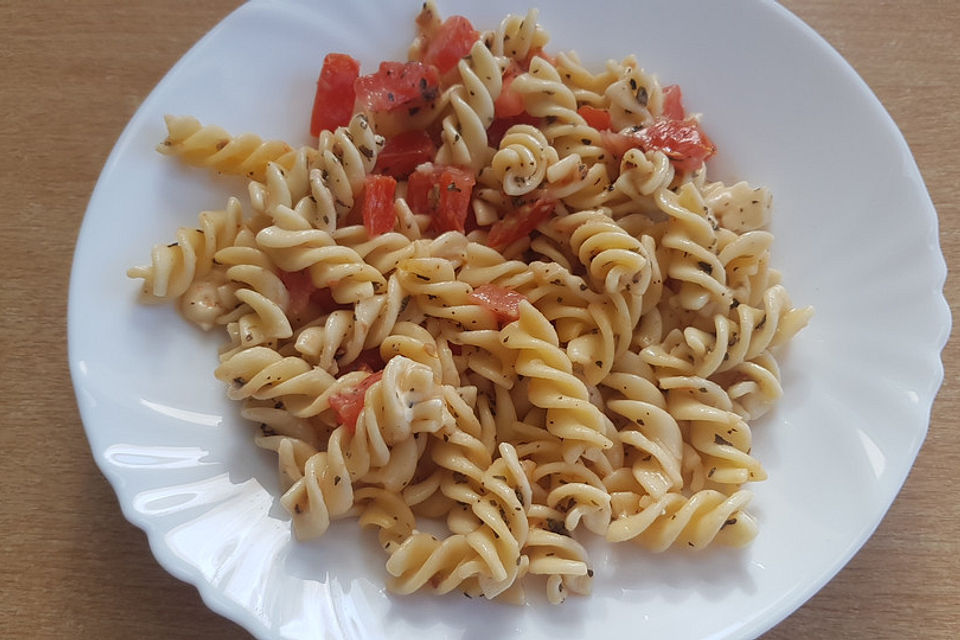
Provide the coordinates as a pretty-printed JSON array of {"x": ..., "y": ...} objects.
[
  {"x": 331, "y": 265},
  {"x": 651, "y": 431},
  {"x": 730, "y": 340},
  {"x": 706, "y": 517},
  {"x": 635, "y": 98},
  {"x": 642, "y": 174},
  {"x": 464, "y": 132},
  {"x": 517, "y": 37},
  {"x": 589, "y": 88},
  {"x": 691, "y": 239},
  {"x": 545, "y": 96},
  {"x": 552, "y": 384},
  {"x": 175, "y": 266},
  {"x": 381, "y": 449},
  {"x": 715, "y": 431},
  {"x": 521, "y": 163},
  {"x": 263, "y": 299},
  {"x": 489, "y": 555},
  {"x": 211, "y": 146},
  {"x": 337, "y": 339}
]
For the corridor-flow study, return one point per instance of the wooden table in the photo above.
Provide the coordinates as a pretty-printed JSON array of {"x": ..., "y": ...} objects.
[{"x": 72, "y": 567}]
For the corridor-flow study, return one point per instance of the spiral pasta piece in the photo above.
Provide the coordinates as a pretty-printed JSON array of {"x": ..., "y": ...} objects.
[
  {"x": 381, "y": 449},
  {"x": 721, "y": 437},
  {"x": 552, "y": 385},
  {"x": 339, "y": 268},
  {"x": 175, "y": 266},
  {"x": 635, "y": 98},
  {"x": 489, "y": 554},
  {"x": 517, "y": 37},
  {"x": 690, "y": 238},
  {"x": 338, "y": 338},
  {"x": 705, "y": 517},
  {"x": 651, "y": 431},
  {"x": 464, "y": 131},
  {"x": 545, "y": 96},
  {"x": 211, "y": 146},
  {"x": 588, "y": 88},
  {"x": 730, "y": 340},
  {"x": 521, "y": 163}
]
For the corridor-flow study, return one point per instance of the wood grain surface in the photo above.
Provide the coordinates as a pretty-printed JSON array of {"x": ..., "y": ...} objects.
[{"x": 72, "y": 567}]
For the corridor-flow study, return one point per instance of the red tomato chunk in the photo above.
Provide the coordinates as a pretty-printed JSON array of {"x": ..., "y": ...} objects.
[
  {"x": 673, "y": 102},
  {"x": 305, "y": 300},
  {"x": 348, "y": 404},
  {"x": 520, "y": 223},
  {"x": 443, "y": 193},
  {"x": 379, "y": 215},
  {"x": 599, "y": 119},
  {"x": 405, "y": 152},
  {"x": 333, "y": 103},
  {"x": 452, "y": 41},
  {"x": 398, "y": 84},
  {"x": 503, "y": 302},
  {"x": 684, "y": 142},
  {"x": 509, "y": 103},
  {"x": 498, "y": 129}
]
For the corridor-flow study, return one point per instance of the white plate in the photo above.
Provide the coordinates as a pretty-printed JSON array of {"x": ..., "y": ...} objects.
[{"x": 856, "y": 237}]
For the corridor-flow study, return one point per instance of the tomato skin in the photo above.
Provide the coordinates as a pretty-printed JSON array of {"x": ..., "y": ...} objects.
[
  {"x": 404, "y": 152},
  {"x": 520, "y": 223},
  {"x": 305, "y": 300},
  {"x": 299, "y": 289},
  {"x": 333, "y": 102},
  {"x": 503, "y": 302},
  {"x": 673, "y": 103},
  {"x": 452, "y": 41},
  {"x": 379, "y": 215},
  {"x": 348, "y": 404},
  {"x": 683, "y": 141},
  {"x": 509, "y": 103},
  {"x": 599, "y": 119},
  {"x": 398, "y": 85},
  {"x": 443, "y": 193}
]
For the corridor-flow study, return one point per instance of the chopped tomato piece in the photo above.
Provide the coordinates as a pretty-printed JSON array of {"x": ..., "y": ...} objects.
[
  {"x": 684, "y": 142},
  {"x": 299, "y": 289},
  {"x": 443, "y": 193},
  {"x": 503, "y": 302},
  {"x": 618, "y": 143},
  {"x": 305, "y": 300},
  {"x": 509, "y": 103},
  {"x": 673, "y": 102},
  {"x": 348, "y": 404},
  {"x": 496, "y": 131},
  {"x": 537, "y": 53},
  {"x": 599, "y": 119},
  {"x": 333, "y": 103},
  {"x": 452, "y": 41},
  {"x": 379, "y": 215},
  {"x": 404, "y": 152},
  {"x": 368, "y": 360},
  {"x": 520, "y": 223},
  {"x": 398, "y": 84},
  {"x": 322, "y": 302}
]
